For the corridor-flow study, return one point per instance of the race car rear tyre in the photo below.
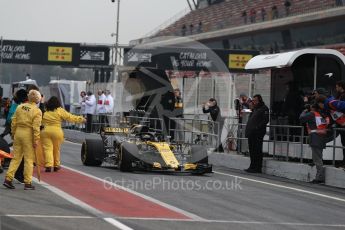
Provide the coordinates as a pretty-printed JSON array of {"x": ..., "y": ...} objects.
[
  {"x": 92, "y": 152},
  {"x": 199, "y": 155},
  {"x": 4, "y": 147},
  {"x": 127, "y": 158}
]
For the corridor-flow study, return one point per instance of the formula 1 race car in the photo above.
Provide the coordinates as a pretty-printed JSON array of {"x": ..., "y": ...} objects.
[{"x": 139, "y": 148}]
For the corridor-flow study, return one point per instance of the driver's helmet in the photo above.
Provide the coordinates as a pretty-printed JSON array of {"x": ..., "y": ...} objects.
[{"x": 137, "y": 129}]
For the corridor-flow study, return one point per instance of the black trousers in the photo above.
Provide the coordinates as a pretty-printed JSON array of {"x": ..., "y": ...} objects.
[
  {"x": 88, "y": 123},
  {"x": 255, "y": 142}
]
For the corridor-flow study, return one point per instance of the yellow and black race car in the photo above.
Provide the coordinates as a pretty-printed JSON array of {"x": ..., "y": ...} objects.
[{"x": 138, "y": 148}]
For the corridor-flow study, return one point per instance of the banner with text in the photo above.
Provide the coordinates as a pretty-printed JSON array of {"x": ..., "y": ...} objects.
[
  {"x": 187, "y": 59},
  {"x": 41, "y": 53}
]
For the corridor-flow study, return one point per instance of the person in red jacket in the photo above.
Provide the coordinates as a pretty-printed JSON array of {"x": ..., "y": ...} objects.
[{"x": 317, "y": 127}]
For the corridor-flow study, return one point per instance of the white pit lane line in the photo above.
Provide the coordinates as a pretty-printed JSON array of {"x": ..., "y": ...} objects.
[
  {"x": 282, "y": 186},
  {"x": 50, "y": 216},
  {"x": 239, "y": 222}
]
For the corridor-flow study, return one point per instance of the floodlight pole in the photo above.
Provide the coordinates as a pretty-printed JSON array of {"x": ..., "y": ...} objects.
[
  {"x": 1, "y": 44},
  {"x": 1, "y": 51},
  {"x": 117, "y": 31}
]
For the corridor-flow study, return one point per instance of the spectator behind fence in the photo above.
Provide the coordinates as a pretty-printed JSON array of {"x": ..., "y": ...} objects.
[
  {"x": 317, "y": 125},
  {"x": 252, "y": 14},
  {"x": 287, "y": 5},
  {"x": 82, "y": 102},
  {"x": 191, "y": 28},
  {"x": 200, "y": 30},
  {"x": 274, "y": 12},
  {"x": 242, "y": 103},
  {"x": 255, "y": 132},
  {"x": 184, "y": 30},
  {"x": 340, "y": 95},
  {"x": 109, "y": 105},
  {"x": 52, "y": 134},
  {"x": 90, "y": 109},
  {"x": 244, "y": 16},
  {"x": 100, "y": 108},
  {"x": 263, "y": 14}
]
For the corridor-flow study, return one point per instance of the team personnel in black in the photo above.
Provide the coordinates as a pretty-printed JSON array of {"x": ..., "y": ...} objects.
[
  {"x": 255, "y": 132},
  {"x": 340, "y": 89}
]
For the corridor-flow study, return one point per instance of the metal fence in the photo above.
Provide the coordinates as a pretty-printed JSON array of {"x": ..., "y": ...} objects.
[
  {"x": 334, "y": 146},
  {"x": 283, "y": 142},
  {"x": 194, "y": 131},
  {"x": 276, "y": 135}
]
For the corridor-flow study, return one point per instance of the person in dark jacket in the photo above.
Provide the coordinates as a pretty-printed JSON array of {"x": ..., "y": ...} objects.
[
  {"x": 255, "y": 132},
  {"x": 19, "y": 97},
  {"x": 317, "y": 124},
  {"x": 340, "y": 89},
  {"x": 212, "y": 107}
]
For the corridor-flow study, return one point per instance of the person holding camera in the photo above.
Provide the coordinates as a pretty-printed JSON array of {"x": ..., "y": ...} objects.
[
  {"x": 211, "y": 107},
  {"x": 317, "y": 126}
]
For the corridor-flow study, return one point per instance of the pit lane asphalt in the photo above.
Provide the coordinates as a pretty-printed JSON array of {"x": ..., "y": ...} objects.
[
  {"x": 227, "y": 199},
  {"x": 42, "y": 209}
]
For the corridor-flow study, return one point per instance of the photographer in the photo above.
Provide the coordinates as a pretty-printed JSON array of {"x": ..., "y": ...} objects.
[
  {"x": 317, "y": 125},
  {"x": 212, "y": 107}
]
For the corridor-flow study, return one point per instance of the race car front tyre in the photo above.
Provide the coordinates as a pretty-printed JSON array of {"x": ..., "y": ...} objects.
[
  {"x": 199, "y": 155},
  {"x": 92, "y": 152},
  {"x": 127, "y": 158}
]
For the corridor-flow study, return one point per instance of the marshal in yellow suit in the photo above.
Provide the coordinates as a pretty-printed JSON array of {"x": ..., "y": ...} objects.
[
  {"x": 26, "y": 132},
  {"x": 52, "y": 134}
]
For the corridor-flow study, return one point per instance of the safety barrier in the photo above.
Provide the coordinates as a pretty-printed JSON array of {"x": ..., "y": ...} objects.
[
  {"x": 334, "y": 146},
  {"x": 282, "y": 141},
  {"x": 276, "y": 135}
]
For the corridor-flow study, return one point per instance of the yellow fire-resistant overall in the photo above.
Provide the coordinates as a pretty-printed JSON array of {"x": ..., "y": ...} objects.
[
  {"x": 52, "y": 134},
  {"x": 25, "y": 127}
]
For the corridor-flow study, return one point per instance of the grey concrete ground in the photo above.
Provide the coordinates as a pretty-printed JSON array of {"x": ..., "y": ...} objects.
[
  {"x": 42, "y": 209},
  {"x": 228, "y": 199}
]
